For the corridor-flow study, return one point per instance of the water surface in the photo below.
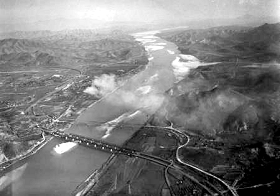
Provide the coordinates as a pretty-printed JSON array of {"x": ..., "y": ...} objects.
[{"x": 50, "y": 173}]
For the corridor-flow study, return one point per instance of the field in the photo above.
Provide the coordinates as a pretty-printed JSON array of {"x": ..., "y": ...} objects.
[
  {"x": 229, "y": 109},
  {"x": 43, "y": 80}
]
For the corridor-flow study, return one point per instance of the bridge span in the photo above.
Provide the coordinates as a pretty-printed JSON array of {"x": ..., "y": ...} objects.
[
  {"x": 92, "y": 143},
  {"x": 114, "y": 149},
  {"x": 110, "y": 148}
]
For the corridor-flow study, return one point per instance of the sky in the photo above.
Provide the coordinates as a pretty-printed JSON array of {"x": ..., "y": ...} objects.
[{"x": 15, "y": 11}]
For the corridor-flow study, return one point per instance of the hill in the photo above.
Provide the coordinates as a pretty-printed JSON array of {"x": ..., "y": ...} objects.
[
  {"x": 229, "y": 43},
  {"x": 67, "y": 48}
]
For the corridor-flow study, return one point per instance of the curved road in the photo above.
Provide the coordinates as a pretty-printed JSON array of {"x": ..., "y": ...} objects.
[
  {"x": 128, "y": 99},
  {"x": 100, "y": 145},
  {"x": 230, "y": 188}
]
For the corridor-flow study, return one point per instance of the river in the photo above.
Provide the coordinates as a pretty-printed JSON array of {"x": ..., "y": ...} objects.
[{"x": 55, "y": 171}]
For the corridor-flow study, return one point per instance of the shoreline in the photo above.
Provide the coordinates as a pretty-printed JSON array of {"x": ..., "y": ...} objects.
[
  {"x": 89, "y": 183},
  {"x": 34, "y": 149},
  {"x": 130, "y": 75},
  {"x": 28, "y": 153}
]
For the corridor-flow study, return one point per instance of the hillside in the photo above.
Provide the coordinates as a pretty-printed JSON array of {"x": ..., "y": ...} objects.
[
  {"x": 41, "y": 77},
  {"x": 229, "y": 43},
  {"x": 230, "y": 108},
  {"x": 70, "y": 50}
]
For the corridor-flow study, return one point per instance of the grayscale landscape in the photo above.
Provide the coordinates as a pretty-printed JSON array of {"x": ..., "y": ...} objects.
[{"x": 128, "y": 97}]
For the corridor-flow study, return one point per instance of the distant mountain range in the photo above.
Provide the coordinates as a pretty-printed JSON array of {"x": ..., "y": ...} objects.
[
  {"x": 244, "y": 20},
  {"x": 67, "y": 24},
  {"x": 79, "y": 34},
  {"x": 70, "y": 48},
  {"x": 61, "y": 24},
  {"x": 227, "y": 43}
]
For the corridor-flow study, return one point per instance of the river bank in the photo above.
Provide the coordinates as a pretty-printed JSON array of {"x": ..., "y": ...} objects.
[
  {"x": 113, "y": 119},
  {"x": 31, "y": 151}
]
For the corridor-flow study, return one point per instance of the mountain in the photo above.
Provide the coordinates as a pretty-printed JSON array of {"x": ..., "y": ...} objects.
[
  {"x": 54, "y": 25},
  {"x": 227, "y": 43},
  {"x": 251, "y": 20},
  {"x": 61, "y": 24},
  {"x": 68, "y": 47},
  {"x": 269, "y": 33},
  {"x": 19, "y": 45},
  {"x": 67, "y": 35}
]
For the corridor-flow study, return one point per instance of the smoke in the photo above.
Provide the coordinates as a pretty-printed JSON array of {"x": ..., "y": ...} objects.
[
  {"x": 141, "y": 97},
  {"x": 102, "y": 85},
  {"x": 109, "y": 126},
  {"x": 204, "y": 112},
  {"x": 133, "y": 98}
]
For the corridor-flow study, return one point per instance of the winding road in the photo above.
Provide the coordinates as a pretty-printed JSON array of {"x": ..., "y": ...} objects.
[
  {"x": 158, "y": 77},
  {"x": 103, "y": 146}
]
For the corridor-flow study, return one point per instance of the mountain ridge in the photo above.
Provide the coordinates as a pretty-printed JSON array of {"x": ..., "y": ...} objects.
[{"x": 260, "y": 44}]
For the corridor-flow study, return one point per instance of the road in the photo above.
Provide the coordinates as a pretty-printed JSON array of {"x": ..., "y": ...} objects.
[
  {"x": 65, "y": 85},
  {"x": 103, "y": 146},
  {"x": 159, "y": 76},
  {"x": 30, "y": 152},
  {"x": 181, "y": 134}
]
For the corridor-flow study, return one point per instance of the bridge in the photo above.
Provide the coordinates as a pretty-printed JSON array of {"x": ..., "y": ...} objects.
[
  {"x": 92, "y": 143},
  {"x": 110, "y": 148},
  {"x": 211, "y": 187}
]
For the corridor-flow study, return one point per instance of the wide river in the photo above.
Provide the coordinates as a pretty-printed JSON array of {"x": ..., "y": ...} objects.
[{"x": 55, "y": 171}]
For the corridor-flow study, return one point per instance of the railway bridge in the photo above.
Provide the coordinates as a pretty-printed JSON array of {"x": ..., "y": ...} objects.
[
  {"x": 110, "y": 148},
  {"x": 203, "y": 182},
  {"x": 92, "y": 143}
]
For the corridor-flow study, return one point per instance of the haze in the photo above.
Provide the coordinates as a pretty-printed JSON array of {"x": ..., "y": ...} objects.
[{"x": 28, "y": 11}]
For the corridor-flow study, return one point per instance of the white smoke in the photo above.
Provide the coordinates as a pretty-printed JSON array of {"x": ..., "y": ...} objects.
[
  {"x": 144, "y": 90},
  {"x": 64, "y": 147},
  {"x": 109, "y": 126},
  {"x": 131, "y": 99},
  {"x": 102, "y": 85},
  {"x": 135, "y": 99},
  {"x": 184, "y": 63}
]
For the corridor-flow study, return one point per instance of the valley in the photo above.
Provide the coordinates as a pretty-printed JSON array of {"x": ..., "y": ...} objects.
[
  {"x": 199, "y": 120},
  {"x": 42, "y": 82}
]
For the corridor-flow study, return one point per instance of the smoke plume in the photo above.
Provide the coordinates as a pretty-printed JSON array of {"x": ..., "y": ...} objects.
[
  {"x": 102, "y": 85},
  {"x": 130, "y": 98}
]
